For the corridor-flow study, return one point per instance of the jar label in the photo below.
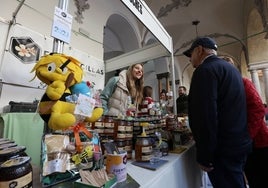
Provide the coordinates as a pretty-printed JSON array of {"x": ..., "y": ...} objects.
[
  {"x": 146, "y": 157},
  {"x": 99, "y": 124},
  {"x": 146, "y": 149},
  {"x": 121, "y": 128},
  {"x": 121, "y": 135},
  {"x": 129, "y": 128},
  {"x": 109, "y": 125},
  {"x": 24, "y": 181},
  {"x": 128, "y": 148}
]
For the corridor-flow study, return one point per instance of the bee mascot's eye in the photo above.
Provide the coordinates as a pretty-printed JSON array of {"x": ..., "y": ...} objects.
[
  {"x": 51, "y": 67},
  {"x": 64, "y": 70}
]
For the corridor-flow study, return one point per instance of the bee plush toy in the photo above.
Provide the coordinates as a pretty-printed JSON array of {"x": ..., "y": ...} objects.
[{"x": 60, "y": 73}]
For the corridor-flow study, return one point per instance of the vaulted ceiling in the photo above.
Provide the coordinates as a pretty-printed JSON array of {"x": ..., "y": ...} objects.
[{"x": 213, "y": 17}]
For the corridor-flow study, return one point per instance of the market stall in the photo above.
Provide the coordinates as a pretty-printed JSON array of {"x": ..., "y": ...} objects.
[{"x": 78, "y": 145}]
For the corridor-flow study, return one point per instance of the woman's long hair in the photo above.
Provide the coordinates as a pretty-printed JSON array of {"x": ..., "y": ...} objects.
[{"x": 135, "y": 87}]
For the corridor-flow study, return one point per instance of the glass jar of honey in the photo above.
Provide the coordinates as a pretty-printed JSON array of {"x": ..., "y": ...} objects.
[
  {"x": 16, "y": 172},
  {"x": 143, "y": 148}
]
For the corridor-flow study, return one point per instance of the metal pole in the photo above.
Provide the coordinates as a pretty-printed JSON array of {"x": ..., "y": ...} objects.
[
  {"x": 173, "y": 82},
  {"x": 58, "y": 44},
  {"x": 14, "y": 15}
]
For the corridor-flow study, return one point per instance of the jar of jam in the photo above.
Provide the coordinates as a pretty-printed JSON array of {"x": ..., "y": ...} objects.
[
  {"x": 109, "y": 122},
  {"x": 121, "y": 126},
  {"x": 143, "y": 148},
  {"x": 128, "y": 148},
  {"x": 16, "y": 172}
]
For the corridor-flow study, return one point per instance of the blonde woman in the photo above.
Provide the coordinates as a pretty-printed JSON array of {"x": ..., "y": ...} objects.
[{"x": 123, "y": 90}]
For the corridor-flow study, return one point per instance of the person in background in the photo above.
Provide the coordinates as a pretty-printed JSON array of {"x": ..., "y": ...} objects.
[
  {"x": 163, "y": 101},
  {"x": 266, "y": 113},
  {"x": 163, "y": 96},
  {"x": 257, "y": 163},
  {"x": 147, "y": 102},
  {"x": 147, "y": 94},
  {"x": 217, "y": 115},
  {"x": 182, "y": 102},
  {"x": 122, "y": 91},
  {"x": 170, "y": 102}
]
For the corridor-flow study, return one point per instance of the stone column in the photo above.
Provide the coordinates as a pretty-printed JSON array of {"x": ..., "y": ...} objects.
[
  {"x": 255, "y": 80},
  {"x": 265, "y": 80}
]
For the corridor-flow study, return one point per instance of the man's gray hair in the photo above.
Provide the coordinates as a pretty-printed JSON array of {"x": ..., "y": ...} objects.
[{"x": 210, "y": 51}]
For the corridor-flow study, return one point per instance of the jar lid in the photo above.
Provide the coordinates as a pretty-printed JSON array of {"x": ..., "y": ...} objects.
[
  {"x": 6, "y": 141},
  {"x": 12, "y": 151},
  {"x": 15, "y": 162},
  {"x": 9, "y": 145},
  {"x": 3, "y": 139}
]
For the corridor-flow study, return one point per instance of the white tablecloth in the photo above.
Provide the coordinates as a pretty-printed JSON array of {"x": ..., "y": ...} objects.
[{"x": 181, "y": 171}]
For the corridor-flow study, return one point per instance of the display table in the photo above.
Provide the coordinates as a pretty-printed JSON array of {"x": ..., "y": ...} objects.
[
  {"x": 181, "y": 171},
  {"x": 26, "y": 129}
]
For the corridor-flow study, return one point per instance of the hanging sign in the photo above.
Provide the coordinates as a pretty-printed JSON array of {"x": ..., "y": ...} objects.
[
  {"x": 147, "y": 17},
  {"x": 62, "y": 25}
]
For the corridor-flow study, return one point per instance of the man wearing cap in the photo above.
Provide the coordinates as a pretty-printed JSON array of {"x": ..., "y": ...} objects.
[{"x": 217, "y": 115}]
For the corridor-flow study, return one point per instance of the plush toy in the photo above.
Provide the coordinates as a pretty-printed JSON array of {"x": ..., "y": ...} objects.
[{"x": 60, "y": 73}]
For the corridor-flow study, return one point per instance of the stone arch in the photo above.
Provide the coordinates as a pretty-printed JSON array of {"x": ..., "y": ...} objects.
[
  {"x": 119, "y": 37},
  {"x": 256, "y": 42},
  {"x": 257, "y": 47}
]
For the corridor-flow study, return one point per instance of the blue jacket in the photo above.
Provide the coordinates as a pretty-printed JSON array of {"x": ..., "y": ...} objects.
[{"x": 217, "y": 111}]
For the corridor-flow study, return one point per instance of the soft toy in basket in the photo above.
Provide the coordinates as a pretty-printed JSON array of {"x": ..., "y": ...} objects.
[{"x": 60, "y": 73}]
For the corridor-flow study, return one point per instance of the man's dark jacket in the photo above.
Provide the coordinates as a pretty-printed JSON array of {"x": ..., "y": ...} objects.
[
  {"x": 217, "y": 111},
  {"x": 182, "y": 104}
]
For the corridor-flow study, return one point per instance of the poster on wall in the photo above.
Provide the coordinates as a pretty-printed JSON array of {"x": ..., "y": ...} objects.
[
  {"x": 93, "y": 68},
  {"x": 24, "y": 47}
]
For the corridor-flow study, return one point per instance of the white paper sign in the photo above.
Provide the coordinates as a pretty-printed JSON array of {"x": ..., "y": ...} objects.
[{"x": 62, "y": 25}]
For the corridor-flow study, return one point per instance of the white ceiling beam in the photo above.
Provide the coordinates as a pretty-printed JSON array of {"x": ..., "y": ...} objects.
[{"x": 141, "y": 55}]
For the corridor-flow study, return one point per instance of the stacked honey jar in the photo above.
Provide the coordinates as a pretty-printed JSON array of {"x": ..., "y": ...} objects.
[
  {"x": 125, "y": 132},
  {"x": 117, "y": 130},
  {"x": 124, "y": 136},
  {"x": 15, "y": 166}
]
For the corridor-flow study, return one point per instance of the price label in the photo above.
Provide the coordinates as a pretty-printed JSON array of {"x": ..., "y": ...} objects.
[{"x": 62, "y": 25}]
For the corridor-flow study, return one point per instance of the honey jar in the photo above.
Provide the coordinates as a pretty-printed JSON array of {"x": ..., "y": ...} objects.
[
  {"x": 12, "y": 152},
  {"x": 143, "y": 148},
  {"x": 16, "y": 172},
  {"x": 9, "y": 145}
]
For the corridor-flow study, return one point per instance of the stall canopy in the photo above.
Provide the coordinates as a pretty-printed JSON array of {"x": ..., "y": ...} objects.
[{"x": 164, "y": 48}]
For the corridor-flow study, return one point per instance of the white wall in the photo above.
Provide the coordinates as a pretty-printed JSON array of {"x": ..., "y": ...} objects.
[{"x": 37, "y": 15}]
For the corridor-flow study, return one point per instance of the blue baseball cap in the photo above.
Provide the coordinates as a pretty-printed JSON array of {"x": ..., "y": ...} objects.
[{"x": 206, "y": 42}]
